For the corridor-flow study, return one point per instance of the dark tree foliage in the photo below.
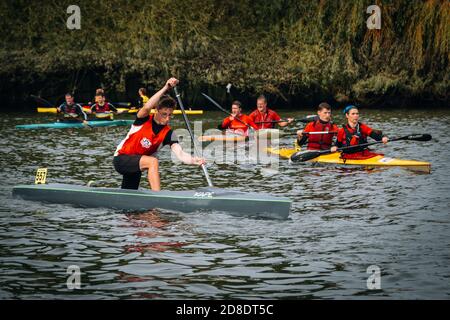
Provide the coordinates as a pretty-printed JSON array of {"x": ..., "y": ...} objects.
[{"x": 298, "y": 52}]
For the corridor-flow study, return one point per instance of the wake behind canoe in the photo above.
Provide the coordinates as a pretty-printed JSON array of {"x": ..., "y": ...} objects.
[
  {"x": 66, "y": 125},
  {"x": 377, "y": 161},
  {"x": 210, "y": 199}
]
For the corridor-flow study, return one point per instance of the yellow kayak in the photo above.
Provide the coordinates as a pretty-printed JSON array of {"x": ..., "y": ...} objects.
[
  {"x": 85, "y": 108},
  {"x": 125, "y": 110},
  {"x": 192, "y": 112},
  {"x": 377, "y": 161}
]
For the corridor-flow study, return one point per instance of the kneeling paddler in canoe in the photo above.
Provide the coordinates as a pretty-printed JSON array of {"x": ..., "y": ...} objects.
[{"x": 147, "y": 135}]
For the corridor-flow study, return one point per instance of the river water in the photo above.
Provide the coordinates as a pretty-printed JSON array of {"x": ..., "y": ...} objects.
[{"x": 342, "y": 223}]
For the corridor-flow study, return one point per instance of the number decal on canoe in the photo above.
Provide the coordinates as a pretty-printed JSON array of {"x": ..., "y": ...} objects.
[
  {"x": 41, "y": 176},
  {"x": 203, "y": 194},
  {"x": 386, "y": 160}
]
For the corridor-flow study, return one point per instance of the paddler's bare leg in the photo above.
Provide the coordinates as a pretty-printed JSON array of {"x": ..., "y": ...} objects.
[{"x": 151, "y": 164}]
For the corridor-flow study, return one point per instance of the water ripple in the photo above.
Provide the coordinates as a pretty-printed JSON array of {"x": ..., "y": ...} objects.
[{"x": 342, "y": 221}]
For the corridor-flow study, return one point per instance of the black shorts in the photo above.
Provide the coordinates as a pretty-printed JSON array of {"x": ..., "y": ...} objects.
[{"x": 128, "y": 166}]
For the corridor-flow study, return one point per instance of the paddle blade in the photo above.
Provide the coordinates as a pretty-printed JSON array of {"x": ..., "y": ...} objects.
[
  {"x": 211, "y": 100},
  {"x": 423, "y": 137},
  {"x": 302, "y": 156},
  {"x": 122, "y": 104},
  {"x": 308, "y": 119},
  {"x": 417, "y": 137},
  {"x": 42, "y": 101}
]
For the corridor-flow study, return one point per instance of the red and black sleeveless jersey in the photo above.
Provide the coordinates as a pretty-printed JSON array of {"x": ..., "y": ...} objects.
[{"x": 145, "y": 137}]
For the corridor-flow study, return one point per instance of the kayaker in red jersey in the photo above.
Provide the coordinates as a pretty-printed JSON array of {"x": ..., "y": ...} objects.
[
  {"x": 72, "y": 112},
  {"x": 102, "y": 109},
  {"x": 354, "y": 133},
  {"x": 266, "y": 118},
  {"x": 147, "y": 135},
  {"x": 233, "y": 124},
  {"x": 322, "y": 141}
]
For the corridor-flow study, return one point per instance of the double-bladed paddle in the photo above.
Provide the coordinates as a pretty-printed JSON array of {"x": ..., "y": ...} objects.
[
  {"x": 290, "y": 133},
  {"x": 222, "y": 109},
  {"x": 43, "y": 101},
  {"x": 50, "y": 105},
  {"x": 120, "y": 104},
  {"x": 302, "y": 156},
  {"x": 306, "y": 119}
]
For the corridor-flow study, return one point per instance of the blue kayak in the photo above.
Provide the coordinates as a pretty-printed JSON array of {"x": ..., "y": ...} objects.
[{"x": 66, "y": 125}]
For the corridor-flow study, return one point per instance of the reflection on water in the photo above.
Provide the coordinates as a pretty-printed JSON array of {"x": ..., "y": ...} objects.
[
  {"x": 151, "y": 225},
  {"x": 342, "y": 221}
]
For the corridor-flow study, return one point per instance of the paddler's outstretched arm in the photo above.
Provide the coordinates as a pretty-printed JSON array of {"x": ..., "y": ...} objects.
[
  {"x": 250, "y": 122},
  {"x": 285, "y": 123},
  {"x": 377, "y": 135},
  {"x": 153, "y": 101},
  {"x": 82, "y": 114},
  {"x": 186, "y": 157}
]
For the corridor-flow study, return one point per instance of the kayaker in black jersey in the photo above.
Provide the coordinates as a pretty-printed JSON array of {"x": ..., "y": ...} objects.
[{"x": 71, "y": 111}]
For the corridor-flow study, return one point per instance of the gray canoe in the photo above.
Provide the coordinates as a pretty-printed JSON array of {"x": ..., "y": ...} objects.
[{"x": 232, "y": 201}]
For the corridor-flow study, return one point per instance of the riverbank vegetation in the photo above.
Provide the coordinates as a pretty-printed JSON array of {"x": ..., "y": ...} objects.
[{"x": 297, "y": 52}]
